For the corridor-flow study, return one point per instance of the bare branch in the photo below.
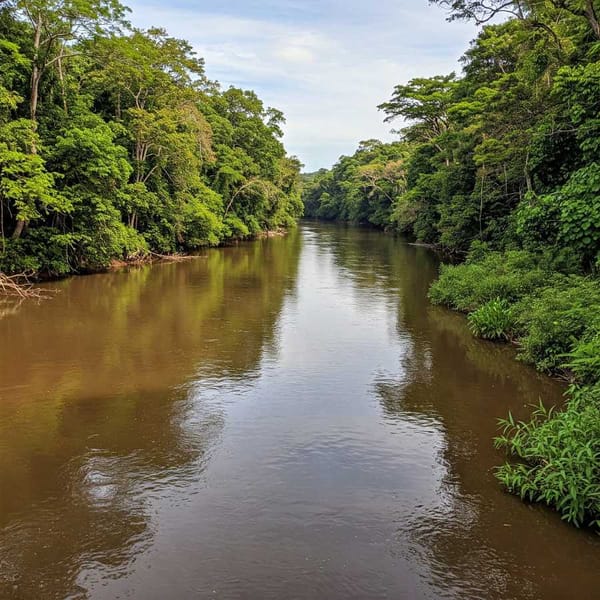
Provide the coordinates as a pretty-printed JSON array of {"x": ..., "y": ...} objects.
[{"x": 20, "y": 286}]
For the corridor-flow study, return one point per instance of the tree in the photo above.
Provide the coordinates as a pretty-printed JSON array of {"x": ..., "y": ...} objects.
[
  {"x": 543, "y": 13},
  {"x": 55, "y": 25},
  {"x": 27, "y": 189},
  {"x": 424, "y": 103}
]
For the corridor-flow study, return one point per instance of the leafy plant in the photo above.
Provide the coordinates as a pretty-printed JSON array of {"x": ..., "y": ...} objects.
[
  {"x": 507, "y": 276},
  {"x": 555, "y": 317},
  {"x": 492, "y": 321},
  {"x": 584, "y": 360},
  {"x": 558, "y": 457}
]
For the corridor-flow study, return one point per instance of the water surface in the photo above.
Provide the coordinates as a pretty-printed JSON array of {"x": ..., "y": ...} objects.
[{"x": 283, "y": 419}]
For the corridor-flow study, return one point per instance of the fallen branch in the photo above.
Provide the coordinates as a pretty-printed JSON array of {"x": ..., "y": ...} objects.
[
  {"x": 20, "y": 286},
  {"x": 172, "y": 257}
]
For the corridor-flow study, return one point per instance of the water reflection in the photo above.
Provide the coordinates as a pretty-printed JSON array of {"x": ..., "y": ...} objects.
[
  {"x": 468, "y": 539},
  {"x": 286, "y": 419},
  {"x": 97, "y": 422}
]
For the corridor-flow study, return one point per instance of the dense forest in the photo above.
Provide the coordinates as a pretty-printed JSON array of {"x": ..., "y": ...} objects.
[
  {"x": 115, "y": 145},
  {"x": 500, "y": 167}
]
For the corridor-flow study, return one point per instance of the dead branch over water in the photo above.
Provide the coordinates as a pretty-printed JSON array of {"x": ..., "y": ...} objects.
[
  {"x": 21, "y": 287},
  {"x": 172, "y": 257}
]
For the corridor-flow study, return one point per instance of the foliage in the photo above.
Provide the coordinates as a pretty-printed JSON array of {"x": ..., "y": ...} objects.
[
  {"x": 570, "y": 217},
  {"x": 517, "y": 294},
  {"x": 492, "y": 321},
  {"x": 362, "y": 188},
  {"x": 506, "y": 276},
  {"x": 113, "y": 144},
  {"x": 554, "y": 318},
  {"x": 584, "y": 360},
  {"x": 559, "y": 457}
]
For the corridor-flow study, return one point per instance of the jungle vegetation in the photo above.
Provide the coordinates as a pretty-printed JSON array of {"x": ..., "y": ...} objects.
[
  {"x": 114, "y": 144},
  {"x": 500, "y": 166}
]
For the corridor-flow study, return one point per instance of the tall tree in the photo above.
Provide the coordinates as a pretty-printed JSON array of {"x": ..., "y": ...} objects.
[{"x": 55, "y": 26}]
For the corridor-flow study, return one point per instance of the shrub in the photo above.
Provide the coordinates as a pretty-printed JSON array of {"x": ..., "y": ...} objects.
[
  {"x": 569, "y": 218},
  {"x": 508, "y": 276},
  {"x": 254, "y": 227},
  {"x": 492, "y": 321},
  {"x": 16, "y": 258},
  {"x": 112, "y": 240},
  {"x": 558, "y": 457},
  {"x": 234, "y": 228},
  {"x": 44, "y": 250},
  {"x": 584, "y": 360},
  {"x": 201, "y": 227},
  {"x": 555, "y": 317}
]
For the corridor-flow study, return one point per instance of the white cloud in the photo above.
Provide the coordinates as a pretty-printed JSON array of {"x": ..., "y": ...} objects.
[{"x": 327, "y": 73}]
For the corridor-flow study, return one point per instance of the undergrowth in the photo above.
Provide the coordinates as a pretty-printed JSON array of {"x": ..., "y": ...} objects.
[{"x": 558, "y": 457}]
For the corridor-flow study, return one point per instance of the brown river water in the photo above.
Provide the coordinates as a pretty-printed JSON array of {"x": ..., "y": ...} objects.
[{"x": 285, "y": 419}]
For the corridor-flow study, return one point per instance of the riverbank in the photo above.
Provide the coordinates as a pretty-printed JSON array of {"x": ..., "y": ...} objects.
[
  {"x": 154, "y": 257},
  {"x": 553, "y": 318},
  {"x": 22, "y": 285}
]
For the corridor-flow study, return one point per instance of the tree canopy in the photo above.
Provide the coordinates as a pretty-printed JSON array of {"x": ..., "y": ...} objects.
[
  {"x": 505, "y": 154},
  {"x": 114, "y": 143}
]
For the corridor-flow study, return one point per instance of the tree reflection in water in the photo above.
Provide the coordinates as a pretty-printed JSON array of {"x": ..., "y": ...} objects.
[{"x": 99, "y": 410}]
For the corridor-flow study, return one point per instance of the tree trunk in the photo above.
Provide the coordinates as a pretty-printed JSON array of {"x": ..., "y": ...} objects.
[
  {"x": 20, "y": 226},
  {"x": 592, "y": 17},
  {"x": 528, "y": 175},
  {"x": 35, "y": 87},
  {"x": 61, "y": 77},
  {"x": 133, "y": 220},
  {"x": 481, "y": 205},
  {"x": 2, "y": 237},
  {"x": 36, "y": 72}
]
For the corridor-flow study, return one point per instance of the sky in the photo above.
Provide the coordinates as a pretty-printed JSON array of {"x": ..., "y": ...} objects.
[{"x": 326, "y": 64}]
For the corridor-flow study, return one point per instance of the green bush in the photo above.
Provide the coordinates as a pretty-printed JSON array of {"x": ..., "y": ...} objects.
[
  {"x": 254, "y": 227},
  {"x": 519, "y": 295},
  {"x": 16, "y": 258},
  {"x": 584, "y": 360},
  {"x": 552, "y": 320},
  {"x": 558, "y": 457},
  {"x": 200, "y": 226},
  {"x": 44, "y": 251},
  {"x": 508, "y": 276},
  {"x": 111, "y": 241},
  {"x": 492, "y": 321},
  {"x": 566, "y": 219},
  {"x": 234, "y": 228}
]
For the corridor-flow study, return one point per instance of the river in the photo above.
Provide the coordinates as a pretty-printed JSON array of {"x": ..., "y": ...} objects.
[{"x": 284, "y": 419}]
